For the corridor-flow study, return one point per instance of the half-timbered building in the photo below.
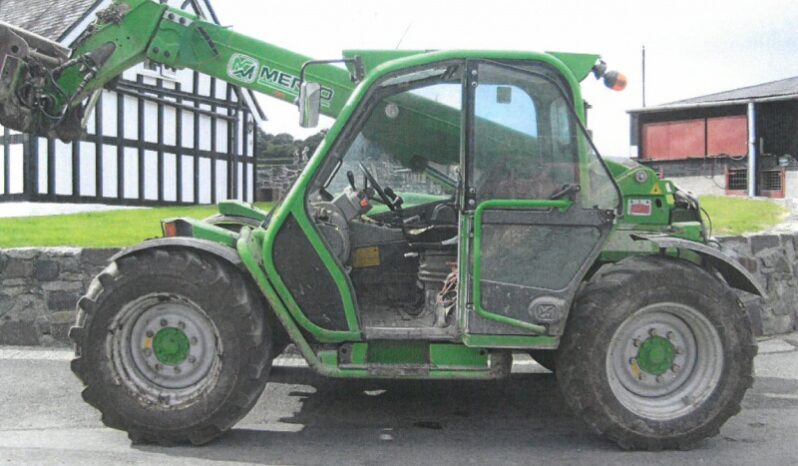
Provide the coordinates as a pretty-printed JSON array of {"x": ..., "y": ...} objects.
[{"x": 159, "y": 136}]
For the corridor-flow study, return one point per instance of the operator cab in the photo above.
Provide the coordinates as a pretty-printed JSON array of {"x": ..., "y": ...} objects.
[
  {"x": 387, "y": 205},
  {"x": 425, "y": 148}
]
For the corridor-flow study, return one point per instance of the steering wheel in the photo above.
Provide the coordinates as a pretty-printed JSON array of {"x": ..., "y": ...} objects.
[{"x": 381, "y": 192}]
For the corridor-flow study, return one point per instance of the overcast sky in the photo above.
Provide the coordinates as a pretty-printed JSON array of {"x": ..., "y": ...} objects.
[{"x": 693, "y": 47}]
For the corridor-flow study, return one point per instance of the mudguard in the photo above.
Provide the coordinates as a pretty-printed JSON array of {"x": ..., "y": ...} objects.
[
  {"x": 735, "y": 274},
  {"x": 223, "y": 252}
]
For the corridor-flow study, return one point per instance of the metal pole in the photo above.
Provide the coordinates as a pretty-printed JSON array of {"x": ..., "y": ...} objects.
[
  {"x": 644, "y": 76},
  {"x": 751, "y": 149}
]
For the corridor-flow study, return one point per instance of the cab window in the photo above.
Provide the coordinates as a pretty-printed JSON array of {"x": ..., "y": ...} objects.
[{"x": 410, "y": 140}]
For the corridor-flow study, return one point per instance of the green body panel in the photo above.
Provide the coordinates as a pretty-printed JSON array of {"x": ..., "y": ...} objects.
[
  {"x": 580, "y": 64},
  {"x": 652, "y": 190},
  {"x": 241, "y": 209},
  {"x": 397, "y": 352},
  {"x": 434, "y": 357},
  {"x": 206, "y": 231}
]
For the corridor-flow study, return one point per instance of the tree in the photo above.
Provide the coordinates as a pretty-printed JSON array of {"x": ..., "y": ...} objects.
[{"x": 284, "y": 146}]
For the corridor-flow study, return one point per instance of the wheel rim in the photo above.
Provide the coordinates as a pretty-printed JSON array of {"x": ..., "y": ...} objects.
[
  {"x": 664, "y": 361},
  {"x": 165, "y": 349}
]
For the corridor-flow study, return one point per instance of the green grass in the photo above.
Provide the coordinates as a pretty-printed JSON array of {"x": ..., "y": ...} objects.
[
  {"x": 737, "y": 215},
  {"x": 115, "y": 228},
  {"x": 119, "y": 228}
]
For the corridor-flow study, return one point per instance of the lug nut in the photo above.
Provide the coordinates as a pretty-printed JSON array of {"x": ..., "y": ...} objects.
[
  {"x": 675, "y": 368},
  {"x": 164, "y": 323},
  {"x": 640, "y": 376},
  {"x": 636, "y": 342},
  {"x": 660, "y": 379},
  {"x": 678, "y": 350},
  {"x": 150, "y": 334},
  {"x": 632, "y": 360},
  {"x": 147, "y": 352},
  {"x": 670, "y": 335},
  {"x": 194, "y": 340},
  {"x": 177, "y": 369},
  {"x": 192, "y": 359},
  {"x": 652, "y": 332},
  {"x": 181, "y": 325},
  {"x": 158, "y": 367}
]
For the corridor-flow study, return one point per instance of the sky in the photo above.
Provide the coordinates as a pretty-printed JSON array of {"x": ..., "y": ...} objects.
[{"x": 692, "y": 47}]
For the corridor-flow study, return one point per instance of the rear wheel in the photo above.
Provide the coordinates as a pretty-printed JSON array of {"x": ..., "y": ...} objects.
[
  {"x": 172, "y": 345},
  {"x": 657, "y": 354}
]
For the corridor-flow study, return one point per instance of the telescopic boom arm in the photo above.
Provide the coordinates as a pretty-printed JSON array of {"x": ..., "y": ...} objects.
[{"x": 44, "y": 88}]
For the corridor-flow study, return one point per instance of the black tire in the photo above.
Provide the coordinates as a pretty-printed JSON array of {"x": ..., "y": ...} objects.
[
  {"x": 169, "y": 280},
  {"x": 545, "y": 358},
  {"x": 635, "y": 292}
]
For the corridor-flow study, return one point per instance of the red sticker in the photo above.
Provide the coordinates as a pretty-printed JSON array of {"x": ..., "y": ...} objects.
[{"x": 640, "y": 207}]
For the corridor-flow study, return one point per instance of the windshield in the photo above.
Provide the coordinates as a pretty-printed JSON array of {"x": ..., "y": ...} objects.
[{"x": 411, "y": 137}]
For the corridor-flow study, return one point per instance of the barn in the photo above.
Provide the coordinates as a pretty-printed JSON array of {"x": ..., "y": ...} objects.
[
  {"x": 738, "y": 142},
  {"x": 160, "y": 137}
]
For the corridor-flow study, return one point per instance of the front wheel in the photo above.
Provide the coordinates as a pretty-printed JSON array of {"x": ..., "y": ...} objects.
[
  {"x": 657, "y": 354},
  {"x": 173, "y": 346}
]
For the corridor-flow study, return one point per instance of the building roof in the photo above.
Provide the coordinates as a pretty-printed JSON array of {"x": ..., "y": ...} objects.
[
  {"x": 48, "y": 18},
  {"x": 783, "y": 89}
]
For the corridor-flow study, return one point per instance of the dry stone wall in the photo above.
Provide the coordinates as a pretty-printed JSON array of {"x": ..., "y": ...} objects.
[
  {"x": 772, "y": 261},
  {"x": 39, "y": 288}
]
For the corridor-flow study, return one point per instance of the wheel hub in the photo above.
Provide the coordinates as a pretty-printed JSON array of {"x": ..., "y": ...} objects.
[
  {"x": 656, "y": 355},
  {"x": 166, "y": 349},
  {"x": 663, "y": 360},
  {"x": 171, "y": 346}
]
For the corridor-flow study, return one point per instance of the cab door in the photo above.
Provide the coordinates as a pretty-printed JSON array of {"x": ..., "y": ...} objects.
[{"x": 540, "y": 202}]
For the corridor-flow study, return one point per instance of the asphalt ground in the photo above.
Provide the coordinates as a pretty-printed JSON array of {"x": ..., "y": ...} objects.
[{"x": 303, "y": 419}]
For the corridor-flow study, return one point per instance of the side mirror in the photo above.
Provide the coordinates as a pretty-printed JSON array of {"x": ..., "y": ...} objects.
[{"x": 309, "y": 104}]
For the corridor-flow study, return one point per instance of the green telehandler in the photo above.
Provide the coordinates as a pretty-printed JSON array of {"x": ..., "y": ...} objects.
[{"x": 456, "y": 213}]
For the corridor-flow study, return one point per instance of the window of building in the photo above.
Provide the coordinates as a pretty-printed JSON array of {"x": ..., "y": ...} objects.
[{"x": 737, "y": 179}]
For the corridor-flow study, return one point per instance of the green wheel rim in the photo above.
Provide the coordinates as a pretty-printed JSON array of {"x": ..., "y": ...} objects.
[
  {"x": 656, "y": 355},
  {"x": 171, "y": 346}
]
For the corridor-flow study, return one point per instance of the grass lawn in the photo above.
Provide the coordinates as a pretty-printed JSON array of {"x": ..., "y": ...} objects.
[
  {"x": 115, "y": 228},
  {"x": 118, "y": 228},
  {"x": 737, "y": 215}
]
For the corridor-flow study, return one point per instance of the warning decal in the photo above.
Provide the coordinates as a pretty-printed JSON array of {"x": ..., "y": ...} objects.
[{"x": 640, "y": 207}]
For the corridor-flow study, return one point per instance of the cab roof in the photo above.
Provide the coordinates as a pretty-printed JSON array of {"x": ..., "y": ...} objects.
[{"x": 580, "y": 64}]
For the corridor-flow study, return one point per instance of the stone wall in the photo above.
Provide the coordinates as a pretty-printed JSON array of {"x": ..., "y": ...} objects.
[
  {"x": 772, "y": 261},
  {"x": 39, "y": 289},
  {"x": 275, "y": 180}
]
